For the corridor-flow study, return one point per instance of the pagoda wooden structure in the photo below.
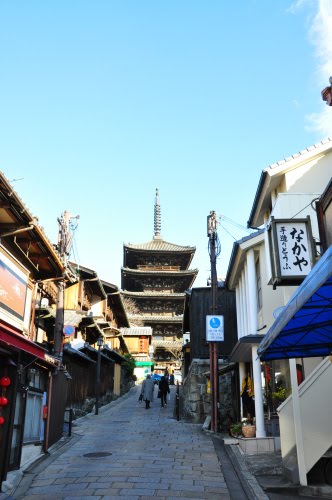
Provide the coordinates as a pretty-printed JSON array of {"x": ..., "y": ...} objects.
[{"x": 155, "y": 276}]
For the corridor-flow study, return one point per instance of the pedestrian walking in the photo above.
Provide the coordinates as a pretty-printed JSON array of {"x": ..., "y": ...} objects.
[
  {"x": 164, "y": 390},
  {"x": 147, "y": 390}
]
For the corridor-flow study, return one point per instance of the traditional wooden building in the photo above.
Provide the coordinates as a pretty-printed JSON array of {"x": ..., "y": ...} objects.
[
  {"x": 29, "y": 375},
  {"x": 154, "y": 278}
]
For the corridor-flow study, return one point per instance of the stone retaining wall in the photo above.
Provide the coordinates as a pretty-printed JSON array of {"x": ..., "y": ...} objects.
[{"x": 195, "y": 401}]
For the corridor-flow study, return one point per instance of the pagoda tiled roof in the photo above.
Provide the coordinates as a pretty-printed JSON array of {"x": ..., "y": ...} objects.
[
  {"x": 159, "y": 245},
  {"x": 155, "y": 295},
  {"x": 161, "y": 319},
  {"x": 184, "y": 272}
]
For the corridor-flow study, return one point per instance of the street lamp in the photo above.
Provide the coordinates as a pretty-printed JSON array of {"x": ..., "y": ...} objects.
[{"x": 99, "y": 344}]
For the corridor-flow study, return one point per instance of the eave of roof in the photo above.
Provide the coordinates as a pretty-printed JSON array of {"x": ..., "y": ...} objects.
[
  {"x": 242, "y": 351},
  {"x": 269, "y": 178},
  {"x": 146, "y": 272},
  {"x": 23, "y": 217},
  {"x": 67, "y": 349},
  {"x": 159, "y": 245},
  {"x": 237, "y": 256},
  {"x": 154, "y": 319},
  {"x": 91, "y": 279},
  {"x": 137, "y": 331},
  {"x": 154, "y": 295}
]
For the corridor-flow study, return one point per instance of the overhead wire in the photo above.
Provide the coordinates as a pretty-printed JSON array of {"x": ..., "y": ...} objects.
[{"x": 234, "y": 223}]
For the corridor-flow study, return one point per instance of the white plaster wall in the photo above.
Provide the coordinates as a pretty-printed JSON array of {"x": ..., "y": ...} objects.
[
  {"x": 272, "y": 299},
  {"x": 298, "y": 206},
  {"x": 313, "y": 175}
]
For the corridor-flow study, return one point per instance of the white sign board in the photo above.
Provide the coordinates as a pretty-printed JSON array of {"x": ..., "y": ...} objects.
[
  {"x": 214, "y": 328},
  {"x": 293, "y": 248}
]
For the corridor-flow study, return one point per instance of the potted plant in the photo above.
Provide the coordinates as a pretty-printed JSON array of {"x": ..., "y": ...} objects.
[
  {"x": 248, "y": 428},
  {"x": 236, "y": 429}
]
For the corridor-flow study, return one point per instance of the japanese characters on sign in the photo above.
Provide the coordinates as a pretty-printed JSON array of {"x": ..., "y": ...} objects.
[
  {"x": 292, "y": 248},
  {"x": 294, "y": 255},
  {"x": 214, "y": 328}
]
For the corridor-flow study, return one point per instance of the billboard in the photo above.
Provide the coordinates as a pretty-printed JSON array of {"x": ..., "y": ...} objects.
[{"x": 13, "y": 288}]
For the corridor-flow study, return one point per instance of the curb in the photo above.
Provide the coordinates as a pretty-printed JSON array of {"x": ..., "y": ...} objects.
[{"x": 248, "y": 482}]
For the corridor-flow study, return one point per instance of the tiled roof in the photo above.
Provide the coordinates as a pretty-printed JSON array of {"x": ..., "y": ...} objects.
[
  {"x": 168, "y": 343},
  {"x": 161, "y": 319},
  {"x": 159, "y": 245},
  {"x": 146, "y": 294},
  {"x": 137, "y": 330},
  {"x": 185, "y": 272},
  {"x": 270, "y": 175},
  {"x": 322, "y": 145}
]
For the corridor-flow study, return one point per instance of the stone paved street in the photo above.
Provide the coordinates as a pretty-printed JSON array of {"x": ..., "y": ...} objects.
[{"x": 151, "y": 454}]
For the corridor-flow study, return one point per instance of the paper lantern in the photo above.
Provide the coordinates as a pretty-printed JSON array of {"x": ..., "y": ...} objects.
[
  {"x": 4, "y": 381},
  {"x": 3, "y": 401},
  {"x": 2, "y": 420}
]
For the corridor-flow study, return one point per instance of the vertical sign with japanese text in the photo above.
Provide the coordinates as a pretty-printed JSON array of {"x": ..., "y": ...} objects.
[{"x": 294, "y": 250}]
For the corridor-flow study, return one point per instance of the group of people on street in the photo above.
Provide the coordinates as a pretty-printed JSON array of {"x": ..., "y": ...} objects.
[{"x": 147, "y": 392}]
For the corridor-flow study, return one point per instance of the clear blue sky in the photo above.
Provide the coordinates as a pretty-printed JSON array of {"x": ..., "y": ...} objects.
[{"x": 102, "y": 101}]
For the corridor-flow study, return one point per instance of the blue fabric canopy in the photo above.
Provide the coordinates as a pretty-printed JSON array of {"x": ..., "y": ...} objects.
[{"x": 304, "y": 328}]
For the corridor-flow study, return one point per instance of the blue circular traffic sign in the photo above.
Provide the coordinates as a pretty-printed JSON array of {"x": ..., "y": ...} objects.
[{"x": 215, "y": 322}]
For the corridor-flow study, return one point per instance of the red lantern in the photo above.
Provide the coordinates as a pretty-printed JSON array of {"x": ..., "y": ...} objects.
[
  {"x": 4, "y": 381},
  {"x": 2, "y": 420},
  {"x": 3, "y": 401}
]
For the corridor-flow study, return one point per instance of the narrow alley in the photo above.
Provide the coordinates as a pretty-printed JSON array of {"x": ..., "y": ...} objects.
[{"x": 129, "y": 452}]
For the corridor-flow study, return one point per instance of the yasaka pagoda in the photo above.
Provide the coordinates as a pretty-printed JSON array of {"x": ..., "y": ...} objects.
[{"x": 155, "y": 276}]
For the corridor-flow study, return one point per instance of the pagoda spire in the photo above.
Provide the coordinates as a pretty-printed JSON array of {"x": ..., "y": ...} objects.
[{"x": 157, "y": 217}]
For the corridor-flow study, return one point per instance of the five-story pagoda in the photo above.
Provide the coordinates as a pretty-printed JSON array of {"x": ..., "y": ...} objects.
[{"x": 155, "y": 276}]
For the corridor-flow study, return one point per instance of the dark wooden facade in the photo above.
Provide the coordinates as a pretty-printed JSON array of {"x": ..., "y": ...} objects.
[{"x": 197, "y": 307}]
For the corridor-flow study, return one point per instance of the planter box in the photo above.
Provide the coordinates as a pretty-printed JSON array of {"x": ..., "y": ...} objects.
[{"x": 249, "y": 431}]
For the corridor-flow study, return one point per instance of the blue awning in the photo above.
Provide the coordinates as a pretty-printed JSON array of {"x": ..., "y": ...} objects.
[{"x": 304, "y": 328}]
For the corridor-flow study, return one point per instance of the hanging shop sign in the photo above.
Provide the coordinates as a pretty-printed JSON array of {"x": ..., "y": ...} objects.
[
  {"x": 292, "y": 250},
  {"x": 13, "y": 288},
  {"x": 214, "y": 328}
]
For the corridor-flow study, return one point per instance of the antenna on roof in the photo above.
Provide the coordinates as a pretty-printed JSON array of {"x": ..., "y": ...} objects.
[{"x": 157, "y": 217}]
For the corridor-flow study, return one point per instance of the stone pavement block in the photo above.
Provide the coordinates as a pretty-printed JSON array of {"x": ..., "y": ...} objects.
[
  {"x": 75, "y": 486},
  {"x": 211, "y": 484},
  {"x": 85, "y": 479},
  {"x": 60, "y": 480},
  {"x": 93, "y": 497},
  {"x": 185, "y": 487},
  {"x": 137, "y": 491},
  {"x": 73, "y": 474},
  {"x": 143, "y": 479},
  {"x": 117, "y": 496},
  {"x": 46, "y": 490},
  {"x": 42, "y": 496},
  {"x": 78, "y": 494}
]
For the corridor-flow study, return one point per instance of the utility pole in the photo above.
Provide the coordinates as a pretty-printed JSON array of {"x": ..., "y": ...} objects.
[
  {"x": 213, "y": 346},
  {"x": 67, "y": 225}
]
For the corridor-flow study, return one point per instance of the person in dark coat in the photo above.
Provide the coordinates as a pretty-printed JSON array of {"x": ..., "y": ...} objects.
[{"x": 164, "y": 390}]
